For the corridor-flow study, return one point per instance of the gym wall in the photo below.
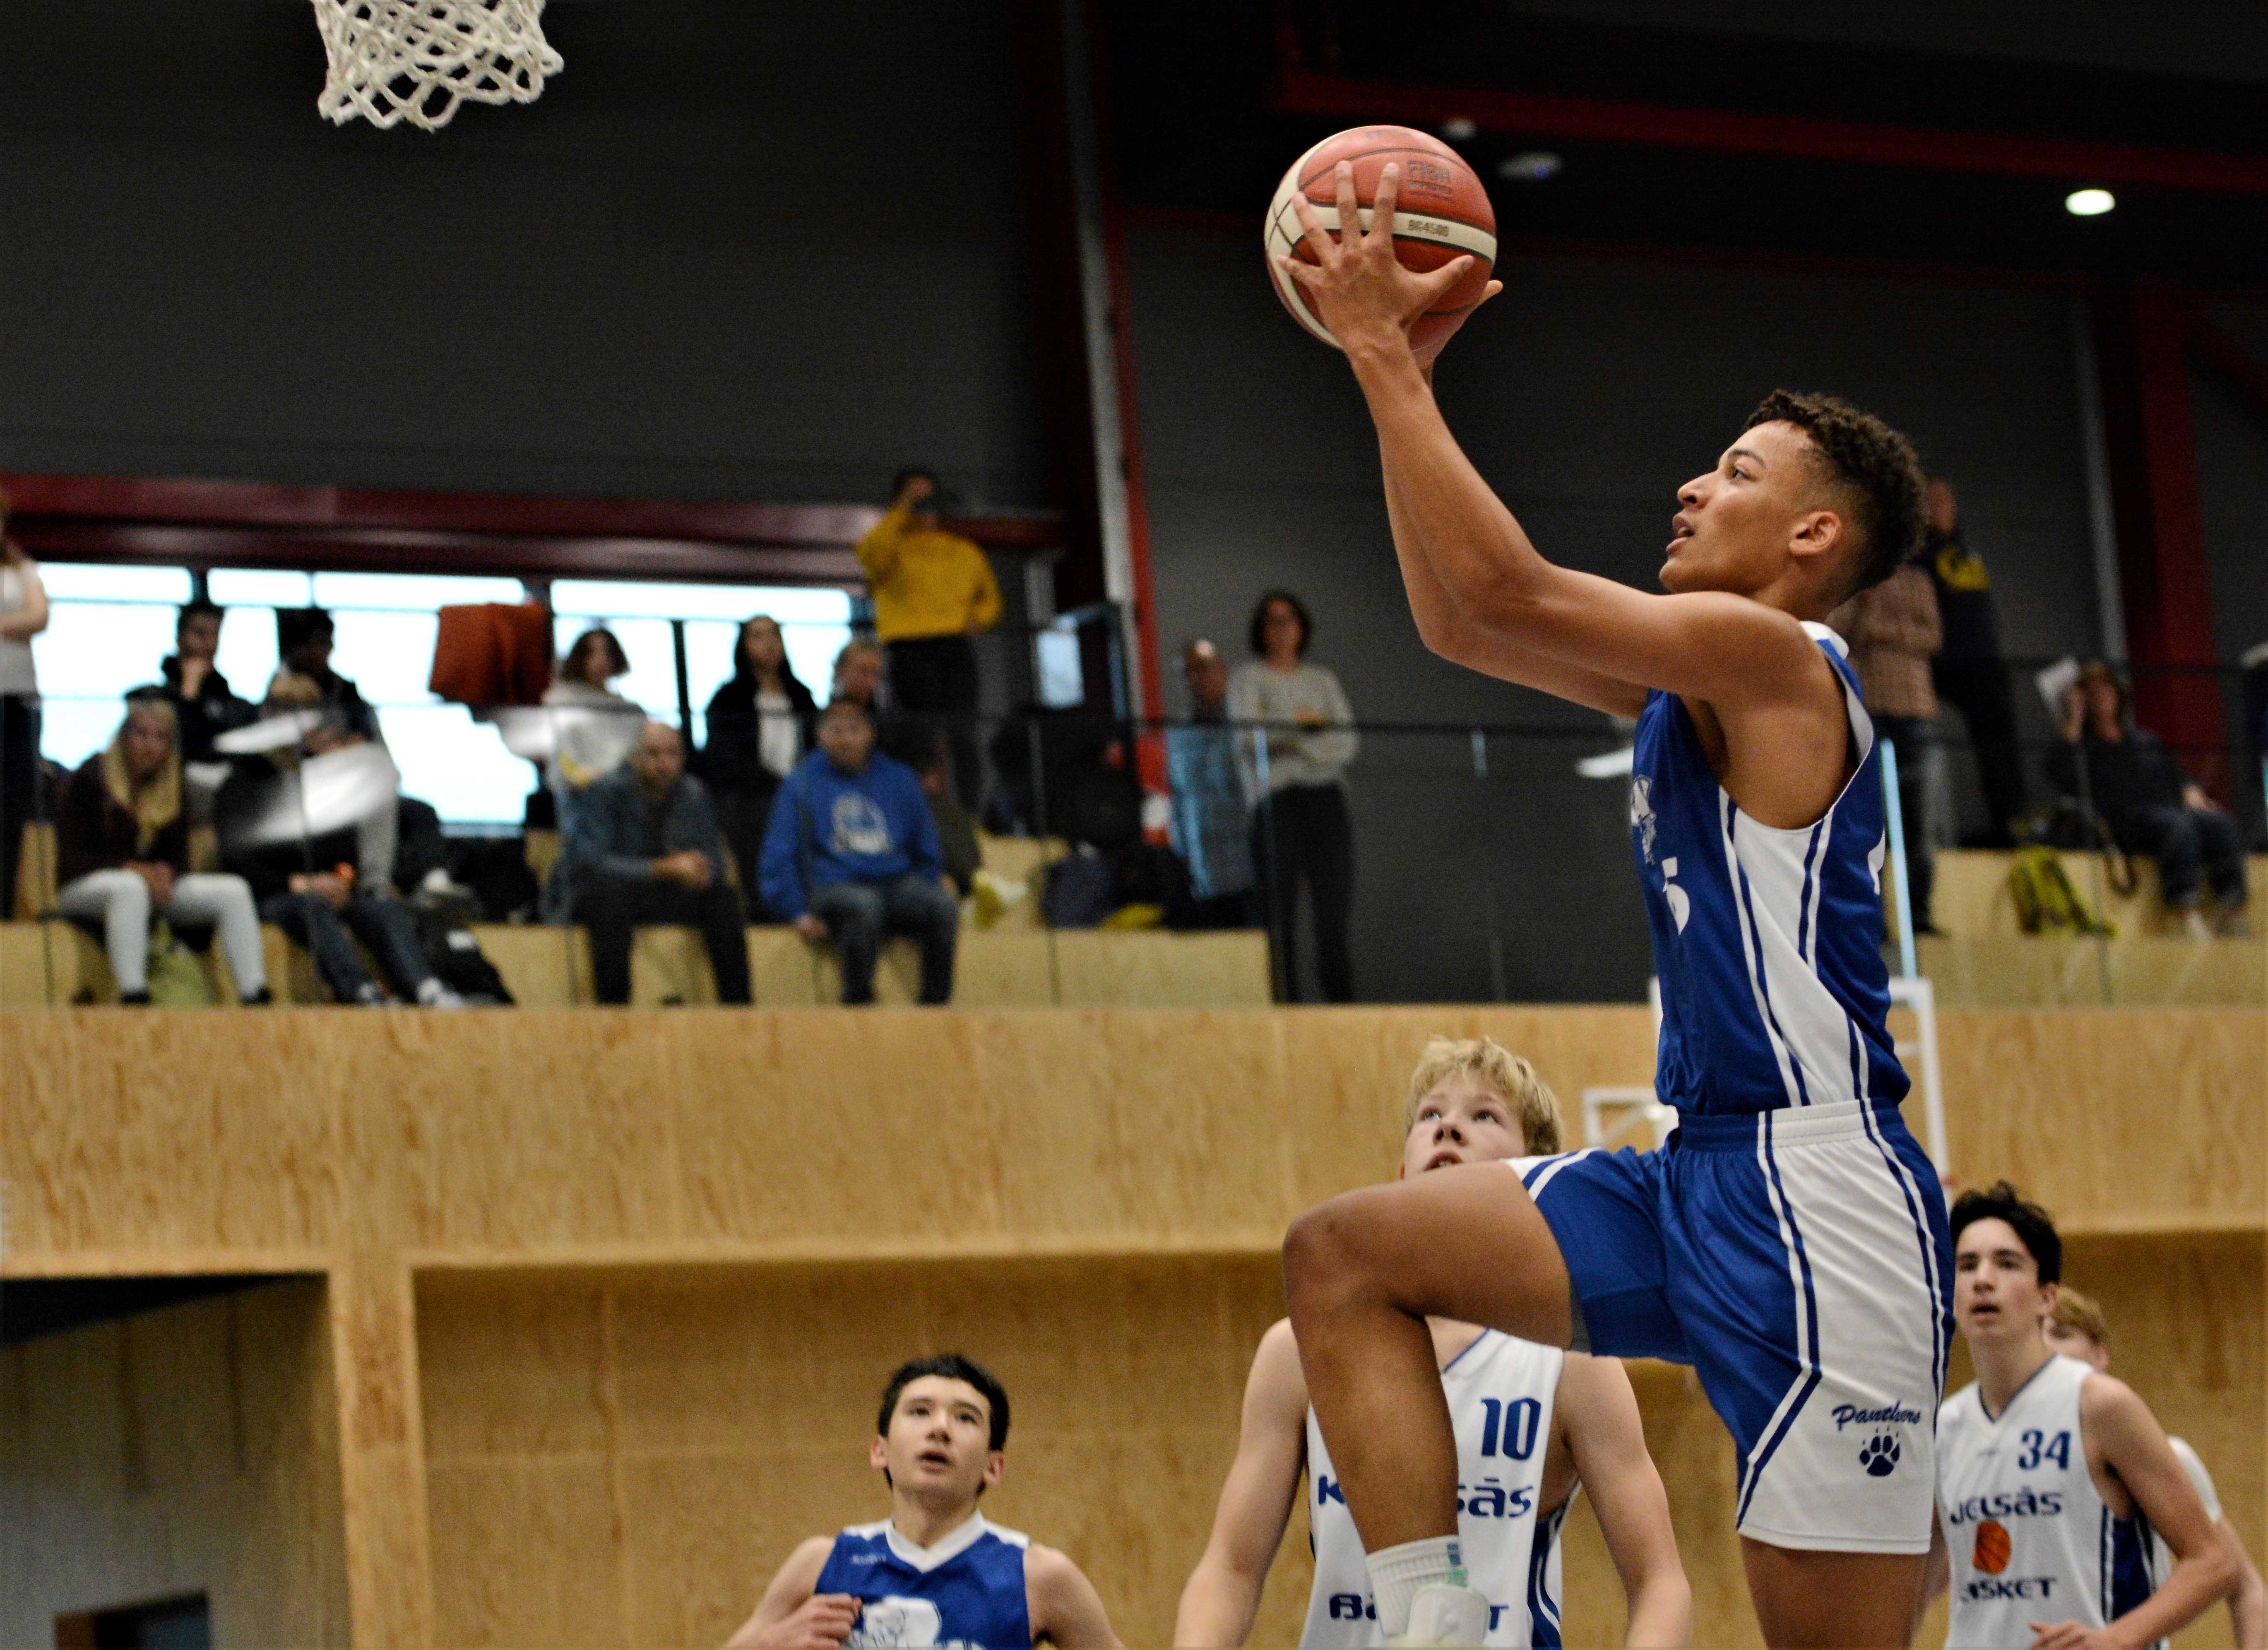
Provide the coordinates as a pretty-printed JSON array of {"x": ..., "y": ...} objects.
[
  {"x": 1587, "y": 394},
  {"x": 746, "y": 252},
  {"x": 193, "y": 1449}
]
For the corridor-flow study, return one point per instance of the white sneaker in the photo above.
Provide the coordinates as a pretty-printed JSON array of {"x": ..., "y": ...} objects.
[
  {"x": 433, "y": 994},
  {"x": 2194, "y": 925},
  {"x": 1444, "y": 1614}
]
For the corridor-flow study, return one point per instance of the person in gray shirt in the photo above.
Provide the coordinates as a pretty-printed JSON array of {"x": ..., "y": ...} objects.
[{"x": 1294, "y": 771}]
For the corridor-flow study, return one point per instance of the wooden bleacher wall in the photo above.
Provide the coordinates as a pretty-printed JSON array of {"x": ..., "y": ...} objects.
[{"x": 610, "y": 1294}]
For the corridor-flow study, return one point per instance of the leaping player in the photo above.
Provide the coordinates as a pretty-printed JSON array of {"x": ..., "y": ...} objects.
[
  {"x": 1790, "y": 1243},
  {"x": 934, "y": 1572},
  {"x": 1533, "y": 1424},
  {"x": 2059, "y": 1498}
]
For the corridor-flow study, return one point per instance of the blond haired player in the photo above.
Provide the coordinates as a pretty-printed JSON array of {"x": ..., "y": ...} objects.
[
  {"x": 2076, "y": 1328},
  {"x": 1533, "y": 1424}
]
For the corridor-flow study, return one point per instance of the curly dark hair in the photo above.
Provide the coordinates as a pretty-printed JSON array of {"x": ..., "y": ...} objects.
[
  {"x": 2031, "y": 1223},
  {"x": 1876, "y": 463}
]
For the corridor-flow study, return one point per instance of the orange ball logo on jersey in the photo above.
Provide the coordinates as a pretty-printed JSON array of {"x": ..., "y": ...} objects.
[{"x": 1991, "y": 1553}]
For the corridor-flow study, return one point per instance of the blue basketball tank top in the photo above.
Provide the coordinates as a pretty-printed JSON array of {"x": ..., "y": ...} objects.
[
  {"x": 967, "y": 1590},
  {"x": 1767, "y": 942}
]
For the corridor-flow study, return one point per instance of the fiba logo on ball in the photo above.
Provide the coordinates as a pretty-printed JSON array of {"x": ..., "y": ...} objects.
[
  {"x": 1879, "y": 1456},
  {"x": 1990, "y": 1552}
]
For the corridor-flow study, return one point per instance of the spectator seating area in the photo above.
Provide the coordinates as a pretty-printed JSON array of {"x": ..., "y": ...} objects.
[
  {"x": 1981, "y": 957},
  {"x": 1015, "y": 963}
]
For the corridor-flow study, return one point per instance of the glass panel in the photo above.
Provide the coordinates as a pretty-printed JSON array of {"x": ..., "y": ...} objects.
[
  {"x": 789, "y": 604},
  {"x": 646, "y": 643},
  {"x": 389, "y": 656},
  {"x": 709, "y": 645},
  {"x": 100, "y": 649},
  {"x": 87, "y": 582},
  {"x": 247, "y": 656},
  {"x": 412, "y": 592},
  {"x": 457, "y": 764},
  {"x": 260, "y": 587},
  {"x": 72, "y": 730}
]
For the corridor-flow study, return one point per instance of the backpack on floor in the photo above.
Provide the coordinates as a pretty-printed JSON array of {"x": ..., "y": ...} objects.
[{"x": 2046, "y": 902}]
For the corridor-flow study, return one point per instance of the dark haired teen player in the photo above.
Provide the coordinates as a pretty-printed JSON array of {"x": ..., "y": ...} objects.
[
  {"x": 933, "y": 1573},
  {"x": 2056, "y": 1485},
  {"x": 1791, "y": 1244}
]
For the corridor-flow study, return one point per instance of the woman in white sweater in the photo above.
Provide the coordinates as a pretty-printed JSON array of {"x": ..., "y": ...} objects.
[{"x": 1294, "y": 769}]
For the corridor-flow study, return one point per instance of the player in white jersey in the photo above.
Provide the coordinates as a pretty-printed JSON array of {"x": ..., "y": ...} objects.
[
  {"x": 2053, "y": 1479},
  {"x": 1533, "y": 1426},
  {"x": 2076, "y": 1328}
]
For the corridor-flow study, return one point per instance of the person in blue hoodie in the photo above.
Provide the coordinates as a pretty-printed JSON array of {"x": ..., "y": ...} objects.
[{"x": 852, "y": 855}]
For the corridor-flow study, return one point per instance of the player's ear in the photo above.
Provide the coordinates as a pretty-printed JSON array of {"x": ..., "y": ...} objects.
[
  {"x": 995, "y": 1464},
  {"x": 878, "y": 1454},
  {"x": 1817, "y": 531}
]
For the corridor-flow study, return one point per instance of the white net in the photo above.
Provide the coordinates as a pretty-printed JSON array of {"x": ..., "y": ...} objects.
[{"x": 417, "y": 60}]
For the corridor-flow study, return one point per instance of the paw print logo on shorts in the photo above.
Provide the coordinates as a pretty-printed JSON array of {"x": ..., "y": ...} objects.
[{"x": 1879, "y": 1456}]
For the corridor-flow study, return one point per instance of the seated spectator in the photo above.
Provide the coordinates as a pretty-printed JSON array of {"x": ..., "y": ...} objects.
[
  {"x": 1211, "y": 821},
  {"x": 1894, "y": 632},
  {"x": 852, "y": 855},
  {"x": 203, "y": 706},
  {"x": 760, "y": 724},
  {"x": 645, "y": 849},
  {"x": 303, "y": 640},
  {"x": 122, "y": 841},
  {"x": 858, "y": 677},
  {"x": 920, "y": 744},
  {"x": 324, "y": 891},
  {"x": 2150, "y": 805}
]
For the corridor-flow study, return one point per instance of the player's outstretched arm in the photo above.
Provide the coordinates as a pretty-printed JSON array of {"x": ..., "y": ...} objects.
[
  {"x": 1223, "y": 1593},
  {"x": 1710, "y": 646},
  {"x": 1445, "y": 630},
  {"x": 791, "y": 1617},
  {"x": 2123, "y": 1435},
  {"x": 1599, "y": 1411},
  {"x": 1066, "y": 1610}
]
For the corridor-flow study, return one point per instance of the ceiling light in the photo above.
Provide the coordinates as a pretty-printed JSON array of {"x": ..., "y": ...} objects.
[
  {"x": 1530, "y": 165},
  {"x": 2088, "y": 202},
  {"x": 1459, "y": 129}
]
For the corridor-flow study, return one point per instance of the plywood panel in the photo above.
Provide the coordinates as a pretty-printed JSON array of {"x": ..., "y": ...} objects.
[
  {"x": 191, "y": 1449},
  {"x": 742, "y": 1400},
  {"x": 2023, "y": 972},
  {"x": 2114, "y": 1115},
  {"x": 1971, "y": 894}
]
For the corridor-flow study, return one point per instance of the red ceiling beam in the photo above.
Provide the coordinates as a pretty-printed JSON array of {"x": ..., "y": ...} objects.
[
  {"x": 247, "y": 524},
  {"x": 1545, "y": 114}
]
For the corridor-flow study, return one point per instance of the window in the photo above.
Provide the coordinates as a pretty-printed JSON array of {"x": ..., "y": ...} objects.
[{"x": 112, "y": 627}]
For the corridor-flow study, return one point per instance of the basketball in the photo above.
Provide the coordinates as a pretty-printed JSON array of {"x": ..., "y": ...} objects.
[
  {"x": 1991, "y": 1553},
  {"x": 1441, "y": 212}
]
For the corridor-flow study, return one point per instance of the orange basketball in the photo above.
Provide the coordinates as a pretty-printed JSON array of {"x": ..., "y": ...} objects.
[
  {"x": 1441, "y": 212},
  {"x": 1991, "y": 1553}
]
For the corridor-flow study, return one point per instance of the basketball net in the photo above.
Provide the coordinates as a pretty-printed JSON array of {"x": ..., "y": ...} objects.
[{"x": 416, "y": 60}]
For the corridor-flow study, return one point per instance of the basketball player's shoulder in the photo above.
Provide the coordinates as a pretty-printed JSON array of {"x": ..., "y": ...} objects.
[
  {"x": 1277, "y": 1390},
  {"x": 809, "y": 1560}
]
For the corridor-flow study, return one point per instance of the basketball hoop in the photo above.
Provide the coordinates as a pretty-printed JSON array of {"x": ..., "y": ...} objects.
[{"x": 416, "y": 60}]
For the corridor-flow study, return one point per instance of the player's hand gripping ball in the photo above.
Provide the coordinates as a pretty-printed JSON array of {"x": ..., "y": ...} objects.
[{"x": 1441, "y": 213}]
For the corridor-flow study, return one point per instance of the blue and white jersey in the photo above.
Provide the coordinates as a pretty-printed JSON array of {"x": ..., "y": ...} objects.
[
  {"x": 2030, "y": 1538},
  {"x": 967, "y": 1590},
  {"x": 1768, "y": 942},
  {"x": 1500, "y": 1392}
]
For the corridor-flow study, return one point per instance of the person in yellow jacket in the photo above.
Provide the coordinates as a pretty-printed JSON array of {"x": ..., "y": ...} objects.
[{"x": 933, "y": 590}]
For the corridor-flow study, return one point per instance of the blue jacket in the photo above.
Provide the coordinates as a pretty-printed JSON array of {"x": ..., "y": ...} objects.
[{"x": 830, "y": 827}]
